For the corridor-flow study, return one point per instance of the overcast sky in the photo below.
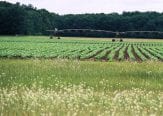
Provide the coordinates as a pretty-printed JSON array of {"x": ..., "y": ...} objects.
[{"x": 94, "y": 6}]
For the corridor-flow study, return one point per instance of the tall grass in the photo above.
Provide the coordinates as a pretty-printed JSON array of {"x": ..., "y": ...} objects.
[{"x": 64, "y": 87}]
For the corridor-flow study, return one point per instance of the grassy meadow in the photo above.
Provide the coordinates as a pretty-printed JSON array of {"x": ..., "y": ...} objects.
[
  {"x": 58, "y": 86},
  {"x": 65, "y": 87}
]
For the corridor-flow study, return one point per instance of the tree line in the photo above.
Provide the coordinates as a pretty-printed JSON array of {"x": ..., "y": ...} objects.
[{"x": 28, "y": 20}]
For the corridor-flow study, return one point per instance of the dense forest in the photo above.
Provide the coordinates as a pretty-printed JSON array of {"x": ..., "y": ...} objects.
[{"x": 28, "y": 20}]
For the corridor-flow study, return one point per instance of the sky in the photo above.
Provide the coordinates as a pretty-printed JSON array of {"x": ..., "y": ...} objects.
[{"x": 94, "y": 6}]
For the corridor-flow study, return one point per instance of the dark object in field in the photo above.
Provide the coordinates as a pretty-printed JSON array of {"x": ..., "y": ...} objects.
[
  {"x": 58, "y": 38},
  {"x": 51, "y": 37},
  {"x": 121, "y": 40},
  {"x": 113, "y": 40}
]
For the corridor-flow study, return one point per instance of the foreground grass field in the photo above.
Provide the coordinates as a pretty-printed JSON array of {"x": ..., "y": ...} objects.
[{"x": 65, "y": 87}]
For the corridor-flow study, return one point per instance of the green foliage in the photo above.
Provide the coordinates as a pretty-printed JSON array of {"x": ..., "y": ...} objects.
[
  {"x": 121, "y": 54},
  {"x": 137, "y": 51},
  {"x": 27, "y": 20},
  {"x": 85, "y": 48},
  {"x": 19, "y": 19},
  {"x": 130, "y": 52}
]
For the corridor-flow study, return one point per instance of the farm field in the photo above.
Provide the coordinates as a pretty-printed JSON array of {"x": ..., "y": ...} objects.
[
  {"x": 81, "y": 48},
  {"x": 66, "y": 77}
]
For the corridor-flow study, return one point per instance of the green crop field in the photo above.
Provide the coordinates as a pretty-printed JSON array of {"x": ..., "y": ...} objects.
[
  {"x": 81, "y": 48},
  {"x": 80, "y": 77}
]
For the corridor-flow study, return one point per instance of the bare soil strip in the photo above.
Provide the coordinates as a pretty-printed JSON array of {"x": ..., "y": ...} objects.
[
  {"x": 126, "y": 56},
  {"x": 135, "y": 54}
]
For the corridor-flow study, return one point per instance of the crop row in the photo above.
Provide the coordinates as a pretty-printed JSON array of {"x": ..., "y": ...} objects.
[{"x": 82, "y": 50}]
